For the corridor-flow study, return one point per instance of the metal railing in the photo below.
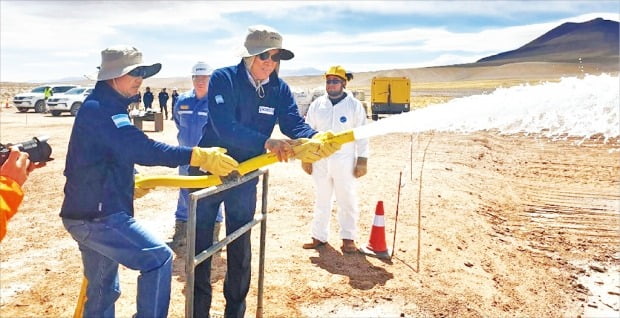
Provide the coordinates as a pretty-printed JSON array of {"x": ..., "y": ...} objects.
[{"x": 193, "y": 261}]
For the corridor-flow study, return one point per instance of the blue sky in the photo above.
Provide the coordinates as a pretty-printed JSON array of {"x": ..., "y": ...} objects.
[{"x": 46, "y": 40}]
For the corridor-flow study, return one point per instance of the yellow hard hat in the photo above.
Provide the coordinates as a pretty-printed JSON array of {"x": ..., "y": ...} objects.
[{"x": 337, "y": 71}]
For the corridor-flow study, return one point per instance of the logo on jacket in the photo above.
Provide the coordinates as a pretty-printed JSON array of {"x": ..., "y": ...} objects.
[
  {"x": 266, "y": 110},
  {"x": 343, "y": 119},
  {"x": 121, "y": 120},
  {"x": 219, "y": 99}
]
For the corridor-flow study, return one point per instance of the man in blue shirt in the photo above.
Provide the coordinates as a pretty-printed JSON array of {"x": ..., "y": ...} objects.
[
  {"x": 98, "y": 206},
  {"x": 245, "y": 102},
  {"x": 190, "y": 114}
]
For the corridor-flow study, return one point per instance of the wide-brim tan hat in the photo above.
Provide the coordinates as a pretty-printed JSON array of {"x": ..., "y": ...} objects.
[
  {"x": 119, "y": 60},
  {"x": 262, "y": 38}
]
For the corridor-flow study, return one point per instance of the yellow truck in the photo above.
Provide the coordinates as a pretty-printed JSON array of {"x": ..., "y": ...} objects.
[{"x": 390, "y": 95}]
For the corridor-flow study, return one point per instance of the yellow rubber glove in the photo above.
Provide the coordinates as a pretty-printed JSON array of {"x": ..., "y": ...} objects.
[
  {"x": 308, "y": 150},
  {"x": 214, "y": 160},
  {"x": 327, "y": 147}
]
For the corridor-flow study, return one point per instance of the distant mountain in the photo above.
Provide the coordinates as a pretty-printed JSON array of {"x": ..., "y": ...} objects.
[{"x": 594, "y": 41}]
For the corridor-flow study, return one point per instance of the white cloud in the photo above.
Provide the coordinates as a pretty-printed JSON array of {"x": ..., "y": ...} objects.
[{"x": 69, "y": 34}]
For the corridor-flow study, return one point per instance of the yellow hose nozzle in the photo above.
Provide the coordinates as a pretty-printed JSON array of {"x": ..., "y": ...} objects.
[{"x": 148, "y": 182}]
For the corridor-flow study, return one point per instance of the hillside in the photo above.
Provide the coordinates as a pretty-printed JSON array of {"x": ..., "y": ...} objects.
[
  {"x": 592, "y": 41},
  {"x": 555, "y": 54}
]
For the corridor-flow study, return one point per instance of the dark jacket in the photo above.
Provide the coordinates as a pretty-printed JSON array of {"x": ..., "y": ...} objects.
[
  {"x": 148, "y": 98},
  {"x": 163, "y": 98},
  {"x": 240, "y": 121},
  {"x": 175, "y": 98},
  {"x": 103, "y": 148}
]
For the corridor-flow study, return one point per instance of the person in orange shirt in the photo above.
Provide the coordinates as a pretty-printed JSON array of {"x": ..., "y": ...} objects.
[{"x": 13, "y": 174}]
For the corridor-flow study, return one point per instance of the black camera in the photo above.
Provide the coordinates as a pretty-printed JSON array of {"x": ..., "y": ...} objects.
[{"x": 37, "y": 148}]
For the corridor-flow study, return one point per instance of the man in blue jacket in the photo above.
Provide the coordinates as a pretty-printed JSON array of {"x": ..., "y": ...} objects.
[
  {"x": 98, "y": 206},
  {"x": 148, "y": 99},
  {"x": 245, "y": 101},
  {"x": 190, "y": 114},
  {"x": 163, "y": 102}
]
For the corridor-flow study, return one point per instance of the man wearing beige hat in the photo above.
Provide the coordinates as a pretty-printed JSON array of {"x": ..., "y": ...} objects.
[
  {"x": 245, "y": 102},
  {"x": 98, "y": 206}
]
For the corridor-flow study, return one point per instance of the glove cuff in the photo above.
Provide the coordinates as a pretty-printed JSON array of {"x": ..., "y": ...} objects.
[{"x": 195, "y": 158}]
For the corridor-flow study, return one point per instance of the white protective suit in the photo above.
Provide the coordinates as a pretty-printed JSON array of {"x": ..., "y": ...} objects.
[{"x": 334, "y": 175}]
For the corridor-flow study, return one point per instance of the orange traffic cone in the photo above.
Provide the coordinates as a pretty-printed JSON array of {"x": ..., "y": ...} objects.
[{"x": 376, "y": 245}]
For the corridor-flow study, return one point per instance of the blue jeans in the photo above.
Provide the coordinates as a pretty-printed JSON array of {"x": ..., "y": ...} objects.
[
  {"x": 118, "y": 239},
  {"x": 240, "y": 206},
  {"x": 182, "y": 212}
]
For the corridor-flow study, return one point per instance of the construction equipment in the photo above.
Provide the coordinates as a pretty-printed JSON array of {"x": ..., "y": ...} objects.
[
  {"x": 390, "y": 95},
  {"x": 360, "y": 95}
]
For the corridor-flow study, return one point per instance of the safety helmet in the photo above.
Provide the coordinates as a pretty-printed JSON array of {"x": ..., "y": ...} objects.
[
  {"x": 201, "y": 68},
  {"x": 337, "y": 71}
]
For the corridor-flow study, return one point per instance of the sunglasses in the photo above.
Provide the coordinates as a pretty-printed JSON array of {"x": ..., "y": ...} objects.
[
  {"x": 265, "y": 55},
  {"x": 138, "y": 72},
  {"x": 333, "y": 81}
]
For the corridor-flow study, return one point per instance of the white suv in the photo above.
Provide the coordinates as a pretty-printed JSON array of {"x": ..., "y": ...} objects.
[
  {"x": 69, "y": 101},
  {"x": 36, "y": 99}
]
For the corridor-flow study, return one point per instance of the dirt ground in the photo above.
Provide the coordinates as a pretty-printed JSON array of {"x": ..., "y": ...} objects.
[{"x": 511, "y": 226}]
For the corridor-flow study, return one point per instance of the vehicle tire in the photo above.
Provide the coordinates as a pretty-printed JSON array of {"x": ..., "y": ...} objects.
[
  {"x": 56, "y": 113},
  {"x": 75, "y": 108},
  {"x": 375, "y": 117},
  {"x": 39, "y": 107},
  {"x": 22, "y": 109}
]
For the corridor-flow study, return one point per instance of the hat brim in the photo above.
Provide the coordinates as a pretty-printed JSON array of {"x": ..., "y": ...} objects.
[
  {"x": 284, "y": 53},
  {"x": 151, "y": 69}
]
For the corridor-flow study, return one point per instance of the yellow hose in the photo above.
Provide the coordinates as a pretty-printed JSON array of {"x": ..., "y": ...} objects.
[{"x": 148, "y": 182}]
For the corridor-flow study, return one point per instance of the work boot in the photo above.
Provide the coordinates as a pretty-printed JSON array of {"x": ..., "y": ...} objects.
[
  {"x": 348, "y": 246},
  {"x": 179, "y": 237},
  {"x": 216, "y": 232},
  {"x": 315, "y": 244}
]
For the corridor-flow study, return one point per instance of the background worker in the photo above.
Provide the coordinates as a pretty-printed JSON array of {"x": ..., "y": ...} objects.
[
  {"x": 98, "y": 206},
  {"x": 13, "y": 174},
  {"x": 175, "y": 97},
  {"x": 163, "y": 102},
  {"x": 148, "y": 99},
  {"x": 245, "y": 101},
  {"x": 337, "y": 111},
  {"x": 47, "y": 93},
  {"x": 190, "y": 114}
]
